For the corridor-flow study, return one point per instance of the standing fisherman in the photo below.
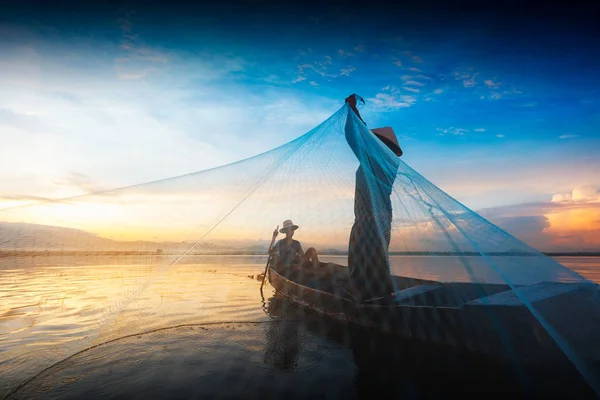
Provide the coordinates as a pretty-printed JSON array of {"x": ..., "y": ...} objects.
[{"x": 368, "y": 258}]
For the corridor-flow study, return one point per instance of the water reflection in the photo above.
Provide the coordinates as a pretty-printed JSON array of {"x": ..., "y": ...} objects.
[
  {"x": 388, "y": 365},
  {"x": 282, "y": 346}
]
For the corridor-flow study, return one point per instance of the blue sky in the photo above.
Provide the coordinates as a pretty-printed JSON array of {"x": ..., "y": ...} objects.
[{"x": 498, "y": 111}]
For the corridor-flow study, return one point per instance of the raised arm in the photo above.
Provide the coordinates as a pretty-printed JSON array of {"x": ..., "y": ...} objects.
[
  {"x": 351, "y": 100},
  {"x": 351, "y": 132}
]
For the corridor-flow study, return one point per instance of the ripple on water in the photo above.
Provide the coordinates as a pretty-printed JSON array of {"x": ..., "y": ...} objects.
[{"x": 248, "y": 360}]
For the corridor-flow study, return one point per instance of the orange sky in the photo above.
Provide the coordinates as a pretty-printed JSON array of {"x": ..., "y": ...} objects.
[{"x": 570, "y": 222}]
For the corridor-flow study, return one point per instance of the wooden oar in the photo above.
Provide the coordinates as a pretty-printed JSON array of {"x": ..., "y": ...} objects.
[{"x": 275, "y": 233}]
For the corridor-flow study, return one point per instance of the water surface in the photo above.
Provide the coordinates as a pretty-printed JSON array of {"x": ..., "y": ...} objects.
[{"x": 219, "y": 328}]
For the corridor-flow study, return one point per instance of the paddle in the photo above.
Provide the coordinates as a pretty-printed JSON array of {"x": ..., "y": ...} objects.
[{"x": 275, "y": 233}]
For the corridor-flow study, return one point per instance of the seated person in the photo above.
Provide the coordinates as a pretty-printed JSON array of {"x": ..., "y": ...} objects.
[
  {"x": 289, "y": 252},
  {"x": 289, "y": 258}
]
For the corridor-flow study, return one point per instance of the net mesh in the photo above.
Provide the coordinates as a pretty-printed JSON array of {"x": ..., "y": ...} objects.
[{"x": 352, "y": 197}]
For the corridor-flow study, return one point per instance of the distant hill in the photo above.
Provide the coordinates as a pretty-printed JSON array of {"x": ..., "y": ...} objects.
[
  {"x": 35, "y": 238},
  {"x": 41, "y": 237},
  {"x": 17, "y": 236}
]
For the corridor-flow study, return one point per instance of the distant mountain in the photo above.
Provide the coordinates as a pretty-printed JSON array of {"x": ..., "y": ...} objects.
[
  {"x": 17, "y": 235},
  {"x": 35, "y": 237}
]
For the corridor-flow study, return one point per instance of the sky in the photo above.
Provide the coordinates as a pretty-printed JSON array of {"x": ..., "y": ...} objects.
[{"x": 497, "y": 104}]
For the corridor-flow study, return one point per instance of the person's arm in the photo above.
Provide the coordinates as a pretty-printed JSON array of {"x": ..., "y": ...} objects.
[
  {"x": 299, "y": 250},
  {"x": 274, "y": 253},
  {"x": 351, "y": 100},
  {"x": 351, "y": 133}
]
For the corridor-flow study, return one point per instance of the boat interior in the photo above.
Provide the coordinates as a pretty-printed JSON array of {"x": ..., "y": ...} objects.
[{"x": 429, "y": 293}]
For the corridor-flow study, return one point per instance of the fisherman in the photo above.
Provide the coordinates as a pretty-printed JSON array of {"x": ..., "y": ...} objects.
[
  {"x": 368, "y": 258},
  {"x": 290, "y": 260},
  {"x": 288, "y": 251}
]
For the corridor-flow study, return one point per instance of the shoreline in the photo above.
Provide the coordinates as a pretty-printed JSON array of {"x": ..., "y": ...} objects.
[{"x": 87, "y": 253}]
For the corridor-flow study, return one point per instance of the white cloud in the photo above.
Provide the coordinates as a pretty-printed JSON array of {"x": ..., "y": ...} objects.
[
  {"x": 469, "y": 80},
  {"x": 438, "y": 91},
  {"x": 300, "y": 78},
  {"x": 347, "y": 71},
  {"x": 451, "y": 131},
  {"x": 500, "y": 136},
  {"x": 567, "y": 136},
  {"x": 491, "y": 84},
  {"x": 512, "y": 90},
  {"x": 582, "y": 194},
  {"x": 585, "y": 193},
  {"x": 479, "y": 129},
  {"x": 386, "y": 101},
  {"x": 414, "y": 83},
  {"x": 82, "y": 127},
  {"x": 495, "y": 96},
  {"x": 561, "y": 197}
]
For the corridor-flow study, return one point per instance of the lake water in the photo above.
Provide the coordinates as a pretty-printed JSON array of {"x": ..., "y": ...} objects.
[{"x": 197, "y": 329}]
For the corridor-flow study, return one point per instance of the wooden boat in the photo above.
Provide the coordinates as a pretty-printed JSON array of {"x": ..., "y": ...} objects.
[{"x": 484, "y": 318}]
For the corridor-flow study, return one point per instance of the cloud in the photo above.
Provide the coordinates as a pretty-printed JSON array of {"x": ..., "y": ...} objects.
[
  {"x": 347, "y": 71},
  {"x": 451, "y": 131},
  {"x": 319, "y": 67},
  {"x": 466, "y": 77},
  {"x": 438, "y": 91},
  {"x": 385, "y": 101},
  {"x": 500, "y": 136},
  {"x": 561, "y": 197},
  {"x": 581, "y": 194},
  {"x": 141, "y": 60},
  {"x": 531, "y": 229},
  {"x": 551, "y": 226},
  {"x": 493, "y": 96},
  {"x": 479, "y": 130},
  {"x": 360, "y": 48},
  {"x": 21, "y": 121},
  {"x": 81, "y": 182},
  {"x": 567, "y": 136},
  {"x": 344, "y": 53},
  {"x": 586, "y": 193},
  {"x": 414, "y": 83},
  {"x": 81, "y": 117},
  {"x": 299, "y": 79},
  {"x": 512, "y": 90},
  {"x": 491, "y": 84}
]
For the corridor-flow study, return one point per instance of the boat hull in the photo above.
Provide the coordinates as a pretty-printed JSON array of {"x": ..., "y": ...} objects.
[{"x": 505, "y": 333}]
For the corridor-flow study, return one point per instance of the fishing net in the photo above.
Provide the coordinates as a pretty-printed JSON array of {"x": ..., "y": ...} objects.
[{"x": 451, "y": 276}]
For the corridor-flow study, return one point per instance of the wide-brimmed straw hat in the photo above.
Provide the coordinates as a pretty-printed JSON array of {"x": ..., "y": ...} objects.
[
  {"x": 287, "y": 224},
  {"x": 388, "y": 136}
]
